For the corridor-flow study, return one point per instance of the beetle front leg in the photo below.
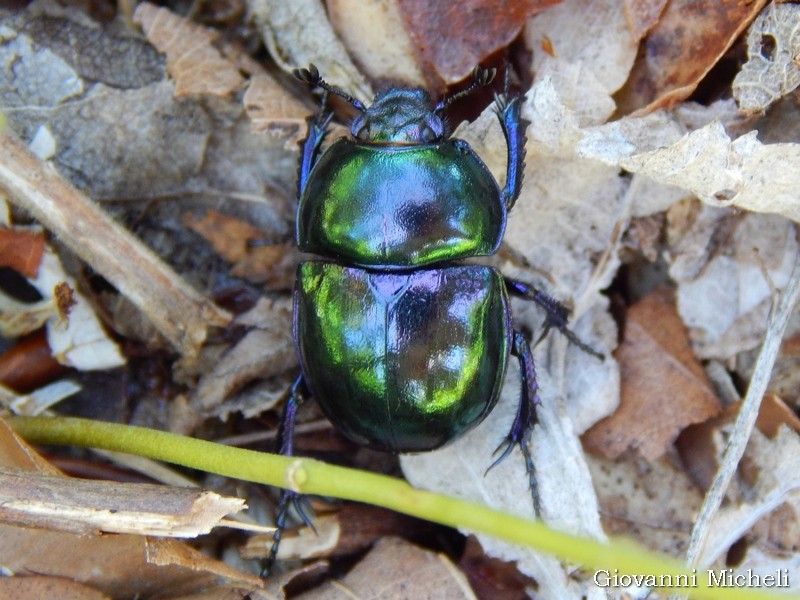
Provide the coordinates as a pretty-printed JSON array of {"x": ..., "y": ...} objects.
[
  {"x": 514, "y": 126},
  {"x": 309, "y": 147},
  {"x": 557, "y": 313},
  {"x": 297, "y": 396},
  {"x": 526, "y": 417}
]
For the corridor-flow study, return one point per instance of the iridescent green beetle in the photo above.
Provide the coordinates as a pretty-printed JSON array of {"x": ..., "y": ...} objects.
[{"x": 404, "y": 348}]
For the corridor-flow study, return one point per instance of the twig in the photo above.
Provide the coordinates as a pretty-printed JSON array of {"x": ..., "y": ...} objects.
[
  {"x": 308, "y": 476},
  {"x": 745, "y": 420},
  {"x": 179, "y": 312}
]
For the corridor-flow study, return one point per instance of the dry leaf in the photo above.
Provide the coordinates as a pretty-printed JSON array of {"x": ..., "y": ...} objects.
[
  {"x": 701, "y": 446},
  {"x": 117, "y": 565},
  {"x": 427, "y": 43},
  {"x": 395, "y": 569},
  {"x": 772, "y": 69},
  {"x": 192, "y": 60},
  {"x": 321, "y": 541},
  {"x": 491, "y": 578},
  {"x": 229, "y": 236},
  {"x": 680, "y": 50},
  {"x": 719, "y": 266},
  {"x": 21, "y": 250},
  {"x": 298, "y": 33},
  {"x": 35, "y": 587},
  {"x": 29, "y": 364},
  {"x": 451, "y": 39},
  {"x": 777, "y": 469},
  {"x": 591, "y": 33},
  {"x": 664, "y": 387},
  {"x": 654, "y": 502},
  {"x": 706, "y": 162},
  {"x": 642, "y": 16},
  {"x": 773, "y": 413},
  {"x": 267, "y": 350},
  {"x": 39, "y": 401},
  {"x": 376, "y": 37},
  {"x": 273, "y": 110}
]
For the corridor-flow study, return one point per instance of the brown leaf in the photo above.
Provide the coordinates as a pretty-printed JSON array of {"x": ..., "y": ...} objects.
[
  {"x": 402, "y": 570},
  {"x": 663, "y": 386},
  {"x": 271, "y": 109},
  {"x": 197, "y": 66},
  {"x": 688, "y": 40},
  {"x": 39, "y": 586},
  {"x": 29, "y": 364},
  {"x": 492, "y": 577},
  {"x": 700, "y": 447},
  {"x": 451, "y": 38},
  {"x": 21, "y": 250},
  {"x": 228, "y": 235},
  {"x": 653, "y": 502},
  {"x": 642, "y": 15},
  {"x": 273, "y": 264}
]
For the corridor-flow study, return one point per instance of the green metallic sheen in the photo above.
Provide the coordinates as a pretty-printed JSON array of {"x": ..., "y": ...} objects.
[
  {"x": 400, "y": 206},
  {"x": 402, "y": 362}
]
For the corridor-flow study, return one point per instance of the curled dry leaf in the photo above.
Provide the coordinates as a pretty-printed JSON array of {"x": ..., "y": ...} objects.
[
  {"x": 298, "y": 33},
  {"x": 701, "y": 446},
  {"x": 772, "y": 69},
  {"x": 664, "y": 387},
  {"x": 681, "y": 49},
  {"x": 320, "y": 541},
  {"x": 706, "y": 162},
  {"x": 265, "y": 351},
  {"x": 40, "y": 400}
]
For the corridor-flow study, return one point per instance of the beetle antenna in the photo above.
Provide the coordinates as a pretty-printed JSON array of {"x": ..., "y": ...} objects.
[
  {"x": 312, "y": 78},
  {"x": 480, "y": 77}
]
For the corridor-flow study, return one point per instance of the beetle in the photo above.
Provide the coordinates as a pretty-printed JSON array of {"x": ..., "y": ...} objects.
[{"x": 404, "y": 346}]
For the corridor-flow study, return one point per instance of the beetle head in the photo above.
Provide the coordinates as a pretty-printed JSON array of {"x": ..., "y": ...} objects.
[{"x": 399, "y": 116}]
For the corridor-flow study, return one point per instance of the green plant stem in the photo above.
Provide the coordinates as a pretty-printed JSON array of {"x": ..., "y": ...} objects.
[{"x": 317, "y": 478}]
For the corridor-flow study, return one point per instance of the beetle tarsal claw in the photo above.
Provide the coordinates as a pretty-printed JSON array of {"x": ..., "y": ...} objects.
[
  {"x": 482, "y": 77},
  {"x": 309, "y": 75}
]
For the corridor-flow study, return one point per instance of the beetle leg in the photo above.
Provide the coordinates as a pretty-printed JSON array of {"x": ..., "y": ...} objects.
[
  {"x": 289, "y": 498},
  {"x": 557, "y": 313},
  {"x": 309, "y": 147},
  {"x": 514, "y": 126},
  {"x": 526, "y": 418}
]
